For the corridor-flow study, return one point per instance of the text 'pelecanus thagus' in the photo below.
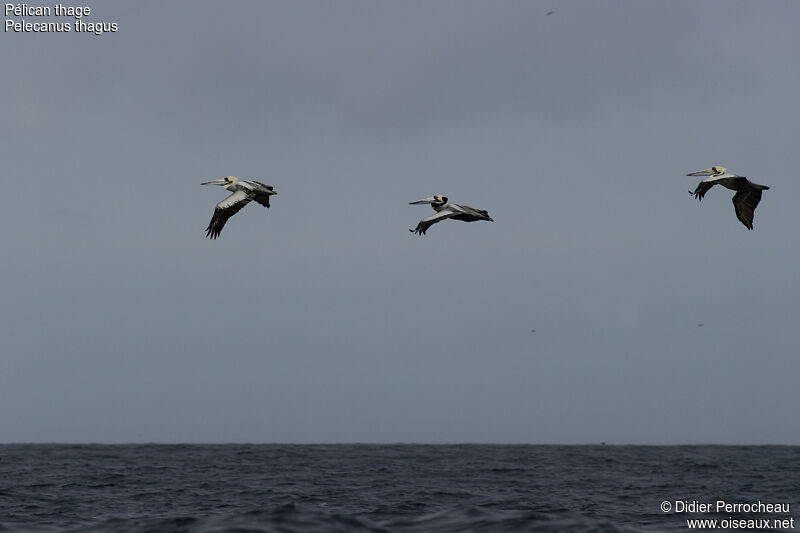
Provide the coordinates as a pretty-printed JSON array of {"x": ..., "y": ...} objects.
[
  {"x": 747, "y": 196},
  {"x": 445, "y": 210},
  {"x": 243, "y": 191}
]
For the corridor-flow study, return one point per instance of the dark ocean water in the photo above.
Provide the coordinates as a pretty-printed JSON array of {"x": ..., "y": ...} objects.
[{"x": 404, "y": 488}]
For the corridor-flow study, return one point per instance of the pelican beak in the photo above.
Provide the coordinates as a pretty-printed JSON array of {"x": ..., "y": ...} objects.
[
  {"x": 428, "y": 200},
  {"x": 706, "y": 172},
  {"x": 221, "y": 181}
]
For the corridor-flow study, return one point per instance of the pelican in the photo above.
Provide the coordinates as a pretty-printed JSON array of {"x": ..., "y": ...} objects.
[
  {"x": 445, "y": 210},
  {"x": 747, "y": 196},
  {"x": 243, "y": 191}
]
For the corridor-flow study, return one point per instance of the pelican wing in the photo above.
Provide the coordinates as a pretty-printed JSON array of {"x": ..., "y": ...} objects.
[
  {"x": 262, "y": 199},
  {"x": 225, "y": 210},
  {"x": 262, "y": 196},
  {"x": 470, "y": 214},
  {"x": 745, "y": 202},
  {"x": 268, "y": 187},
  {"x": 702, "y": 188},
  {"x": 426, "y": 223}
]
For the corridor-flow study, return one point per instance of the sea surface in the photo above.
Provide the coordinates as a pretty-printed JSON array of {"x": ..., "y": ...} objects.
[{"x": 403, "y": 488}]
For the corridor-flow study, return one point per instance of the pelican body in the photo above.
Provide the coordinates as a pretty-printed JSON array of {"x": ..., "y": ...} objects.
[
  {"x": 747, "y": 196},
  {"x": 242, "y": 193},
  {"x": 444, "y": 210}
]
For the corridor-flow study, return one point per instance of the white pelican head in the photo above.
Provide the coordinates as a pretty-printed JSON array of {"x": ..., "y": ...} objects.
[
  {"x": 437, "y": 199},
  {"x": 225, "y": 182},
  {"x": 716, "y": 170}
]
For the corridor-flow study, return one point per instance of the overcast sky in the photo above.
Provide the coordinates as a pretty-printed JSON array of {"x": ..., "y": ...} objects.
[{"x": 323, "y": 319}]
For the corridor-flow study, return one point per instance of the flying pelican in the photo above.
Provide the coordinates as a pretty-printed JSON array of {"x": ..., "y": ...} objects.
[
  {"x": 242, "y": 192},
  {"x": 445, "y": 210},
  {"x": 747, "y": 196}
]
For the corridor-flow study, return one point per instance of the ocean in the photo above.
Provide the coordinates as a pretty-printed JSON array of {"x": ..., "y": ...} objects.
[{"x": 402, "y": 488}]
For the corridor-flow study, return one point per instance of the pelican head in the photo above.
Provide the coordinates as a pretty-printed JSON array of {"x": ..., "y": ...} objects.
[
  {"x": 230, "y": 180},
  {"x": 437, "y": 199},
  {"x": 713, "y": 171}
]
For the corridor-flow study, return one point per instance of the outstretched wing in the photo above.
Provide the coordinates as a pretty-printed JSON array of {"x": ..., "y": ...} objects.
[
  {"x": 263, "y": 198},
  {"x": 470, "y": 214},
  {"x": 225, "y": 210},
  {"x": 702, "y": 189},
  {"x": 745, "y": 202},
  {"x": 426, "y": 223}
]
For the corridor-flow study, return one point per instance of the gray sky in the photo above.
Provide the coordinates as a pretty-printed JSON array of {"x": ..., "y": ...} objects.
[{"x": 323, "y": 319}]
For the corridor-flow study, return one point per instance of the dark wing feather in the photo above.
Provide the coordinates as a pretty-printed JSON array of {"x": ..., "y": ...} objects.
[
  {"x": 745, "y": 202},
  {"x": 263, "y": 199},
  {"x": 471, "y": 214},
  {"x": 225, "y": 210},
  {"x": 426, "y": 223},
  {"x": 702, "y": 189},
  {"x": 422, "y": 227}
]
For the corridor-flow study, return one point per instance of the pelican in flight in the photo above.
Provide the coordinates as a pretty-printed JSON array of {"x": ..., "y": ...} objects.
[
  {"x": 747, "y": 196},
  {"x": 445, "y": 210},
  {"x": 243, "y": 191}
]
